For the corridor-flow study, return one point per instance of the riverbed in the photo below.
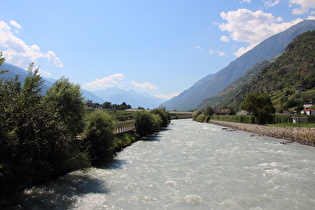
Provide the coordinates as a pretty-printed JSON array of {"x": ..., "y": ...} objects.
[{"x": 190, "y": 165}]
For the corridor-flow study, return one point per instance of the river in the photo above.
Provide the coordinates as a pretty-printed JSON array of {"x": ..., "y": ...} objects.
[{"x": 190, "y": 166}]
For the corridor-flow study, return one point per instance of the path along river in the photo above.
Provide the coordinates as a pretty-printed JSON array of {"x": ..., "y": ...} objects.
[{"x": 190, "y": 166}]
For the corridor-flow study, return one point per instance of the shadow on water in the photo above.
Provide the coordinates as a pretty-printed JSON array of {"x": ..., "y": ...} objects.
[
  {"x": 153, "y": 137},
  {"x": 113, "y": 164},
  {"x": 59, "y": 194}
]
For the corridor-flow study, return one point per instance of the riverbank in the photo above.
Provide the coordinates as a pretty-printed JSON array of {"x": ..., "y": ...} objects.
[{"x": 304, "y": 136}]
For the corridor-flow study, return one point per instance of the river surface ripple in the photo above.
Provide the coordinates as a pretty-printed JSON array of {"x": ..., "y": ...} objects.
[{"x": 190, "y": 166}]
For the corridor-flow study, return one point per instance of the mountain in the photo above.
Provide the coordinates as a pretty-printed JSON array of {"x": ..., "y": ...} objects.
[
  {"x": 116, "y": 95},
  {"x": 232, "y": 95},
  {"x": 295, "y": 68},
  {"x": 48, "y": 82},
  {"x": 15, "y": 70},
  {"x": 213, "y": 83}
]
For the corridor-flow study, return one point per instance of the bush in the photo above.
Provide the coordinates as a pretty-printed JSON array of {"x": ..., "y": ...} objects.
[
  {"x": 196, "y": 114},
  {"x": 165, "y": 116},
  {"x": 201, "y": 118},
  {"x": 147, "y": 123},
  {"x": 98, "y": 136}
]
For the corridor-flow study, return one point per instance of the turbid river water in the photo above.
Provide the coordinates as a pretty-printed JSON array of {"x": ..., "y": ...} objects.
[{"x": 190, "y": 166}]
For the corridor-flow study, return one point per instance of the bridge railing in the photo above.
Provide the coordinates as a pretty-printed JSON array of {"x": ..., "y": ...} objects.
[{"x": 125, "y": 126}]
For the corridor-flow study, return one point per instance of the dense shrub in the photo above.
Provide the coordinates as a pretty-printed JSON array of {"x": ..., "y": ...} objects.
[
  {"x": 196, "y": 114},
  {"x": 165, "y": 116},
  {"x": 99, "y": 136},
  {"x": 147, "y": 123},
  {"x": 201, "y": 118}
]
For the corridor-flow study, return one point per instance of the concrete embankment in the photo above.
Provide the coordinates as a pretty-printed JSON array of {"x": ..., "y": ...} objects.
[{"x": 301, "y": 135}]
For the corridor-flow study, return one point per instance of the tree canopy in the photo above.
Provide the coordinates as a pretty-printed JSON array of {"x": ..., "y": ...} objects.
[{"x": 260, "y": 106}]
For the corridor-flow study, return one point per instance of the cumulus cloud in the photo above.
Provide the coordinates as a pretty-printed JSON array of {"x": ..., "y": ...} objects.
[
  {"x": 248, "y": 1},
  {"x": 53, "y": 59},
  {"x": 225, "y": 38},
  {"x": 18, "y": 52},
  {"x": 251, "y": 27},
  {"x": 15, "y": 24},
  {"x": 145, "y": 85},
  {"x": 167, "y": 97},
  {"x": 198, "y": 47},
  {"x": 271, "y": 3},
  {"x": 305, "y": 6},
  {"x": 106, "y": 81},
  {"x": 220, "y": 53}
]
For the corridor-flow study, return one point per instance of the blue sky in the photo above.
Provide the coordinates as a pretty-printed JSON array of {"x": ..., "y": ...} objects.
[{"x": 161, "y": 47}]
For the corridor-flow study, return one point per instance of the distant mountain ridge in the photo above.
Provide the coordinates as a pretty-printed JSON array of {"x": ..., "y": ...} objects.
[
  {"x": 214, "y": 83},
  {"x": 116, "y": 95},
  {"x": 279, "y": 78},
  {"x": 113, "y": 95}
]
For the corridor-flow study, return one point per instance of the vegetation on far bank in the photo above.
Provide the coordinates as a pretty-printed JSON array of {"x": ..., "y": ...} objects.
[{"x": 260, "y": 111}]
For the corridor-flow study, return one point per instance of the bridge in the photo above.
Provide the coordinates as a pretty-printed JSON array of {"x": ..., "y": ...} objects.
[{"x": 125, "y": 126}]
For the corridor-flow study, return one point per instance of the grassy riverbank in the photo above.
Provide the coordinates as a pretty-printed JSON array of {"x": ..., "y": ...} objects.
[{"x": 293, "y": 125}]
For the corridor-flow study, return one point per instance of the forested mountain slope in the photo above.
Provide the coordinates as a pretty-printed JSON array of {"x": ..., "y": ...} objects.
[{"x": 293, "y": 71}]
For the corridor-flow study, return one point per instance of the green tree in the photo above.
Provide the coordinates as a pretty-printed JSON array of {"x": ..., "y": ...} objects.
[
  {"x": 165, "y": 116},
  {"x": 201, "y": 118},
  {"x": 99, "y": 136},
  {"x": 196, "y": 114},
  {"x": 2, "y": 59},
  {"x": 209, "y": 111},
  {"x": 69, "y": 104},
  {"x": 107, "y": 105},
  {"x": 260, "y": 106},
  {"x": 34, "y": 145},
  {"x": 146, "y": 123}
]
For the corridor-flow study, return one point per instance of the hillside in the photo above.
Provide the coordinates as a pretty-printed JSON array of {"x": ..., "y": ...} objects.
[
  {"x": 214, "y": 83},
  {"x": 294, "y": 68},
  {"x": 113, "y": 95},
  {"x": 48, "y": 82},
  {"x": 232, "y": 95}
]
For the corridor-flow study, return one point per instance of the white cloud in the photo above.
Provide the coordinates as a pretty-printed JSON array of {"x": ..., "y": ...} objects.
[
  {"x": 305, "y": 6},
  {"x": 18, "y": 52},
  {"x": 225, "y": 38},
  {"x": 44, "y": 73},
  {"x": 53, "y": 59},
  {"x": 145, "y": 85},
  {"x": 248, "y": 1},
  {"x": 310, "y": 18},
  {"x": 198, "y": 47},
  {"x": 220, "y": 53},
  {"x": 167, "y": 97},
  {"x": 252, "y": 27},
  {"x": 271, "y": 3},
  {"x": 106, "y": 81},
  {"x": 15, "y": 24}
]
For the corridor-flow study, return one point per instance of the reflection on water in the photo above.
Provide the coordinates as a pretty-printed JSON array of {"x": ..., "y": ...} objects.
[{"x": 190, "y": 166}]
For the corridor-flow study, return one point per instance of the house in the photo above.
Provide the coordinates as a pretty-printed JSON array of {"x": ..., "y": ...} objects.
[
  {"x": 308, "y": 111},
  {"x": 92, "y": 105},
  {"x": 222, "y": 112}
]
